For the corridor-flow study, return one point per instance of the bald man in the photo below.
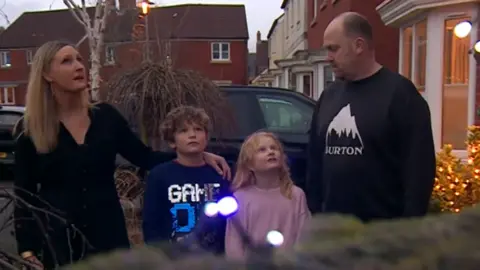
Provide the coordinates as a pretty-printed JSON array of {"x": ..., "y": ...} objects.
[{"x": 371, "y": 150}]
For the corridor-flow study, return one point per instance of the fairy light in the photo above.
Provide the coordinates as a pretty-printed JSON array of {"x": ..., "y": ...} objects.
[{"x": 457, "y": 184}]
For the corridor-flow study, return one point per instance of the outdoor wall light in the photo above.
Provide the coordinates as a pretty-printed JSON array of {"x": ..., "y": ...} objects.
[{"x": 462, "y": 29}]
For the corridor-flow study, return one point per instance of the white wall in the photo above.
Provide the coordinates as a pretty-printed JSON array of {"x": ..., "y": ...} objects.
[
  {"x": 295, "y": 27},
  {"x": 276, "y": 43},
  {"x": 434, "y": 81}
]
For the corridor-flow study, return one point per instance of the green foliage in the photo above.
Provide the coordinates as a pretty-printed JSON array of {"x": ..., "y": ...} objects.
[{"x": 446, "y": 241}]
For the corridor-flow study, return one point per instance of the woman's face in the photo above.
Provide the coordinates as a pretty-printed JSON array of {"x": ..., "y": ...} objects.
[{"x": 67, "y": 72}]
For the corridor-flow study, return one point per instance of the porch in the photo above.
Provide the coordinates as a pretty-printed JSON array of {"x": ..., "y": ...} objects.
[{"x": 428, "y": 42}]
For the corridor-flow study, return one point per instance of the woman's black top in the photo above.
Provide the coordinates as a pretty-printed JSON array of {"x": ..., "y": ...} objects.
[{"x": 77, "y": 181}]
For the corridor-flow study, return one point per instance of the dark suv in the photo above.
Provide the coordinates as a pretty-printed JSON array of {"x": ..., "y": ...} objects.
[{"x": 283, "y": 112}]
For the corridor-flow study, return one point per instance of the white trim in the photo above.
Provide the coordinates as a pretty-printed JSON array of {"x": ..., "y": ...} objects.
[
  {"x": 3, "y": 56},
  {"x": 29, "y": 56},
  {"x": 110, "y": 57},
  {"x": 220, "y": 51},
  {"x": 394, "y": 12},
  {"x": 5, "y": 96},
  {"x": 472, "y": 76}
]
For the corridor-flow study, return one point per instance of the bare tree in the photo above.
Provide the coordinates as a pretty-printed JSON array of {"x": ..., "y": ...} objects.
[{"x": 94, "y": 32}]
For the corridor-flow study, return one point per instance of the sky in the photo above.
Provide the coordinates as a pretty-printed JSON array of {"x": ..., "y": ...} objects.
[{"x": 260, "y": 13}]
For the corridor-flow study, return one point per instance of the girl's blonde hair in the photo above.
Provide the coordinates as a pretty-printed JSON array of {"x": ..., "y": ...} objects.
[
  {"x": 41, "y": 121},
  {"x": 244, "y": 175}
]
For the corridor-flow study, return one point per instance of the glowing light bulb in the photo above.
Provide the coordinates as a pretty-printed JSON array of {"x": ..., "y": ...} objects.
[
  {"x": 476, "y": 47},
  {"x": 227, "y": 206},
  {"x": 211, "y": 209},
  {"x": 275, "y": 238},
  {"x": 462, "y": 29}
]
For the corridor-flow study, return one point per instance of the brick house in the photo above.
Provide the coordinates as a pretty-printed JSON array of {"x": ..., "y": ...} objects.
[
  {"x": 211, "y": 39},
  {"x": 428, "y": 43}
]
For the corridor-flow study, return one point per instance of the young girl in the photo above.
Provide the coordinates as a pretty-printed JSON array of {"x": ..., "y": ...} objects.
[{"x": 268, "y": 200}]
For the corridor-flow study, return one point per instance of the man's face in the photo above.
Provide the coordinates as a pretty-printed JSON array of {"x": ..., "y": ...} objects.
[{"x": 340, "y": 49}]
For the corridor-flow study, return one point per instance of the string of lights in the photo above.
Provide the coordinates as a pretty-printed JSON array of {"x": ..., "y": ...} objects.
[{"x": 457, "y": 183}]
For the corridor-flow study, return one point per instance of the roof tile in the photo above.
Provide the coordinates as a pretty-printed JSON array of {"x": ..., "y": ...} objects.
[{"x": 190, "y": 21}]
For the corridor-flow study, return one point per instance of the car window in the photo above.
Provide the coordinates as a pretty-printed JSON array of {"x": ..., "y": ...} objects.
[
  {"x": 239, "y": 103},
  {"x": 285, "y": 114},
  {"x": 9, "y": 118}
]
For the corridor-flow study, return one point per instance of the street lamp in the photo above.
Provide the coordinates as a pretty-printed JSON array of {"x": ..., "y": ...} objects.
[{"x": 145, "y": 6}]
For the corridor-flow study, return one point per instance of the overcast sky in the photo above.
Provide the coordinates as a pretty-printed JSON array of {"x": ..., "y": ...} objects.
[{"x": 260, "y": 13}]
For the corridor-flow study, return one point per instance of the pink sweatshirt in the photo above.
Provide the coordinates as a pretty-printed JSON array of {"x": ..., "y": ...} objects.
[{"x": 261, "y": 211}]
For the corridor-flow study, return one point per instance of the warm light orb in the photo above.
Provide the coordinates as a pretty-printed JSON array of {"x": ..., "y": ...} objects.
[
  {"x": 227, "y": 206},
  {"x": 211, "y": 209},
  {"x": 275, "y": 238},
  {"x": 145, "y": 7},
  {"x": 462, "y": 29},
  {"x": 477, "y": 49}
]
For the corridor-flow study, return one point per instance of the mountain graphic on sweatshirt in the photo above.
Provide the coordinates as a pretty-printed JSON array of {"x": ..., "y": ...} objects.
[{"x": 343, "y": 137}]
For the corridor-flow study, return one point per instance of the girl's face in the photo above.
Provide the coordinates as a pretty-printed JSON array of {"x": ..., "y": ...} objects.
[{"x": 267, "y": 155}]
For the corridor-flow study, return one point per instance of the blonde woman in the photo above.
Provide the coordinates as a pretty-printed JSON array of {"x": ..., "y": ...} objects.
[
  {"x": 268, "y": 200},
  {"x": 65, "y": 160}
]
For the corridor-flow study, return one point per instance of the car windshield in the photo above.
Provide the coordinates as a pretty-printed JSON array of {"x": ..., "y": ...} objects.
[{"x": 9, "y": 118}]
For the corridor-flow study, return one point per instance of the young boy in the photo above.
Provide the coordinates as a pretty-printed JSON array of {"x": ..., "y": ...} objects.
[{"x": 177, "y": 191}]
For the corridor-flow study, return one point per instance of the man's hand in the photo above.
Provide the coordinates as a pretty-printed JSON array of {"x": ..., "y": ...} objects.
[{"x": 219, "y": 164}]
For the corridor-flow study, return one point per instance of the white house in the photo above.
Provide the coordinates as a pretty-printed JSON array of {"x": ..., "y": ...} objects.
[
  {"x": 439, "y": 62},
  {"x": 291, "y": 64}
]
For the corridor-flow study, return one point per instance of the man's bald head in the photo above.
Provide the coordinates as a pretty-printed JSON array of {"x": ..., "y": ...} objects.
[
  {"x": 356, "y": 25},
  {"x": 348, "y": 40}
]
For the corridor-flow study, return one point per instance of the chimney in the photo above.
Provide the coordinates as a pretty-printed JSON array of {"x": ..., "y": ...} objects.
[
  {"x": 126, "y": 4},
  {"x": 259, "y": 37}
]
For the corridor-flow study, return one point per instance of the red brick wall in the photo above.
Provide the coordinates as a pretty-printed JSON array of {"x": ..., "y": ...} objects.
[
  {"x": 193, "y": 55},
  {"x": 386, "y": 38}
]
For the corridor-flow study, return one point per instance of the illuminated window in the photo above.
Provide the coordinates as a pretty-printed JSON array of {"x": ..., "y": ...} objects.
[
  {"x": 414, "y": 54},
  {"x": 455, "y": 86}
]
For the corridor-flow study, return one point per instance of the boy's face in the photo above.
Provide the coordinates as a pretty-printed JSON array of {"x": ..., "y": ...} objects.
[{"x": 190, "y": 139}]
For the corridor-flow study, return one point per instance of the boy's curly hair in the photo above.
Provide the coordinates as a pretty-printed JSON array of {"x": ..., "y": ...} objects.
[{"x": 180, "y": 116}]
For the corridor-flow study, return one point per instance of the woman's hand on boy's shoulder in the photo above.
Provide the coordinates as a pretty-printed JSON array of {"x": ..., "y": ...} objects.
[{"x": 219, "y": 164}]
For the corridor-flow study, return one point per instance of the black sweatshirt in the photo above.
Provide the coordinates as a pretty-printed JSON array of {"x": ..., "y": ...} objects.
[{"x": 371, "y": 151}]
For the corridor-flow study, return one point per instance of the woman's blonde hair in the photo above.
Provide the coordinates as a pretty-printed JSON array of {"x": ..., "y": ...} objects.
[
  {"x": 41, "y": 121},
  {"x": 244, "y": 175}
]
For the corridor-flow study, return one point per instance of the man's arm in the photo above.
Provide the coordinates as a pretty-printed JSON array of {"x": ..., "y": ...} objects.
[
  {"x": 418, "y": 164},
  {"x": 313, "y": 181}
]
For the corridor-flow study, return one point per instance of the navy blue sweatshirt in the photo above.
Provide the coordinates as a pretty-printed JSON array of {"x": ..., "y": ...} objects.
[
  {"x": 371, "y": 150},
  {"x": 175, "y": 197}
]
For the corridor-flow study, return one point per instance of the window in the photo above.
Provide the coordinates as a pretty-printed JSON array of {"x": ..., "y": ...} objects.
[
  {"x": 307, "y": 85},
  {"x": 109, "y": 55},
  {"x": 5, "y": 59},
  {"x": 220, "y": 51},
  {"x": 414, "y": 54},
  {"x": 9, "y": 118},
  {"x": 285, "y": 114},
  {"x": 239, "y": 103},
  {"x": 29, "y": 56},
  {"x": 328, "y": 77},
  {"x": 7, "y": 95},
  {"x": 455, "y": 86}
]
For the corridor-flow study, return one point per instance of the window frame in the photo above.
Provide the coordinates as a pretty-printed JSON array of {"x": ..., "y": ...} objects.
[
  {"x": 287, "y": 98},
  {"x": 29, "y": 56},
  {"x": 220, "y": 51},
  {"x": 414, "y": 49},
  {"x": 109, "y": 59},
  {"x": 3, "y": 55},
  {"x": 4, "y": 95}
]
